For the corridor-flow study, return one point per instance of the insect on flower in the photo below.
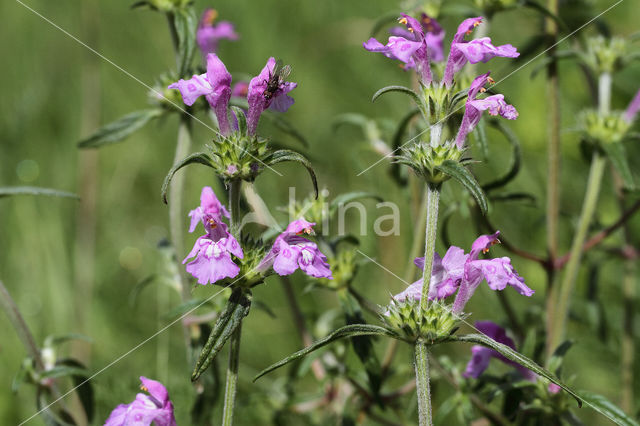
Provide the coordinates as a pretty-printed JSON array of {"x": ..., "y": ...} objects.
[{"x": 276, "y": 79}]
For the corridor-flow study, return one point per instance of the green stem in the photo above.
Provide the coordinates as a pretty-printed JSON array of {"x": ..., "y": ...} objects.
[
  {"x": 604, "y": 93},
  {"x": 20, "y": 326},
  {"x": 234, "y": 205},
  {"x": 232, "y": 378},
  {"x": 433, "y": 198},
  {"x": 423, "y": 387},
  {"x": 176, "y": 190},
  {"x": 558, "y": 329},
  {"x": 553, "y": 171},
  {"x": 628, "y": 350}
]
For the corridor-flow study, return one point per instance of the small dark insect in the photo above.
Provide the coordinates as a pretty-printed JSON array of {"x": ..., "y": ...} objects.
[{"x": 276, "y": 78}]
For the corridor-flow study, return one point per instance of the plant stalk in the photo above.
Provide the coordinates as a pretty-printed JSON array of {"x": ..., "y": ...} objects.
[
  {"x": 232, "y": 378},
  {"x": 423, "y": 387},
  {"x": 234, "y": 205},
  {"x": 176, "y": 191},
  {"x": 567, "y": 285},
  {"x": 432, "y": 200},
  {"x": 553, "y": 171}
]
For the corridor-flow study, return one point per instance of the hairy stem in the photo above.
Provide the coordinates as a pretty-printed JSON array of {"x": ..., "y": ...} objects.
[
  {"x": 553, "y": 171},
  {"x": 433, "y": 198},
  {"x": 20, "y": 326},
  {"x": 176, "y": 190},
  {"x": 234, "y": 205},
  {"x": 232, "y": 378},
  {"x": 604, "y": 93},
  {"x": 565, "y": 292},
  {"x": 423, "y": 387}
]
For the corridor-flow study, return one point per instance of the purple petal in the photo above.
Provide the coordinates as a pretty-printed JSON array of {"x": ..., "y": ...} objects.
[
  {"x": 214, "y": 268},
  {"x": 632, "y": 109},
  {"x": 482, "y": 244},
  {"x": 313, "y": 262},
  {"x": 456, "y": 59},
  {"x": 479, "y": 362},
  {"x": 499, "y": 274},
  {"x": 465, "y": 28},
  {"x": 286, "y": 261},
  {"x": 414, "y": 291},
  {"x": 481, "y": 50},
  {"x": 155, "y": 389},
  {"x": 300, "y": 226},
  {"x": 193, "y": 88}
]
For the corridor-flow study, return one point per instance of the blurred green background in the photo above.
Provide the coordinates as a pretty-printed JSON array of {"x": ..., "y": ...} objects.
[{"x": 55, "y": 92}]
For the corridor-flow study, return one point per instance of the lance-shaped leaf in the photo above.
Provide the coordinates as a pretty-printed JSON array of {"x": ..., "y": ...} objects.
[
  {"x": 344, "y": 332},
  {"x": 401, "y": 89},
  {"x": 120, "y": 129},
  {"x": 516, "y": 158},
  {"x": 343, "y": 199},
  {"x": 237, "y": 308},
  {"x": 383, "y": 21},
  {"x": 283, "y": 155},
  {"x": 603, "y": 406},
  {"x": 362, "y": 345},
  {"x": 185, "y": 24},
  {"x": 196, "y": 158},
  {"x": 461, "y": 174},
  {"x": 618, "y": 156},
  {"x": 397, "y": 142},
  {"x": 33, "y": 190},
  {"x": 288, "y": 128},
  {"x": 514, "y": 356}
]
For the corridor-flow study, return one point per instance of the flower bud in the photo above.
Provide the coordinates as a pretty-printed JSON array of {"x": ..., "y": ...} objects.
[
  {"x": 433, "y": 323},
  {"x": 424, "y": 159},
  {"x": 238, "y": 156},
  {"x": 605, "y": 54},
  {"x": 601, "y": 129}
]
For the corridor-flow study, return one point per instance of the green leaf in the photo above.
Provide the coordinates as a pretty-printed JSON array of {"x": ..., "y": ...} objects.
[
  {"x": 283, "y": 155},
  {"x": 237, "y": 308},
  {"x": 242, "y": 119},
  {"x": 82, "y": 385},
  {"x": 464, "y": 176},
  {"x": 515, "y": 158},
  {"x": 397, "y": 142},
  {"x": 384, "y": 20},
  {"x": 196, "y": 158},
  {"x": 352, "y": 118},
  {"x": 545, "y": 12},
  {"x": 514, "y": 356},
  {"x": 50, "y": 417},
  {"x": 344, "y": 332},
  {"x": 33, "y": 190},
  {"x": 349, "y": 197},
  {"x": 400, "y": 89},
  {"x": 603, "y": 406},
  {"x": 120, "y": 129},
  {"x": 288, "y": 128},
  {"x": 480, "y": 132},
  {"x": 56, "y": 340},
  {"x": 183, "y": 308},
  {"x": 618, "y": 156},
  {"x": 185, "y": 24},
  {"x": 555, "y": 362}
]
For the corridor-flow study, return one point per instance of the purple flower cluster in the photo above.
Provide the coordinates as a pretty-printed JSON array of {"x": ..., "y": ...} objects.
[
  {"x": 462, "y": 273},
  {"x": 145, "y": 409},
  {"x": 421, "y": 43},
  {"x": 291, "y": 251},
  {"x": 473, "y": 109},
  {"x": 208, "y": 35},
  {"x": 212, "y": 251},
  {"x": 266, "y": 90}
]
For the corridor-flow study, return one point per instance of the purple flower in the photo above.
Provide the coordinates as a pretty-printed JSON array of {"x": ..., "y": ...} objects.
[
  {"x": 415, "y": 46},
  {"x": 480, "y": 355},
  {"x": 474, "y": 107},
  {"x": 291, "y": 251},
  {"x": 208, "y": 34},
  {"x": 212, "y": 253},
  {"x": 463, "y": 273},
  {"x": 267, "y": 90},
  {"x": 632, "y": 109},
  {"x": 145, "y": 409},
  {"x": 215, "y": 86},
  {"x": 209, "y": 206},
  {"x": 480, "y": 50}
]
